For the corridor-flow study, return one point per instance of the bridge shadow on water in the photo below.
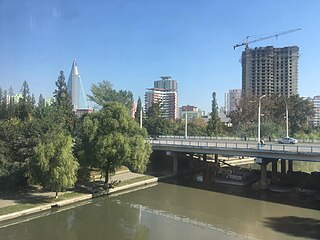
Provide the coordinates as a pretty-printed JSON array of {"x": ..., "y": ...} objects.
[
  {"x": 292, "y": 199},
  {"x": 308, "y": 228},
  {"x": 304, "y": 227}
]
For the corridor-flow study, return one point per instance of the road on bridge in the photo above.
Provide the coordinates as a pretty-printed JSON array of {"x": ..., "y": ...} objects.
[{"x": 242, "y": 148}]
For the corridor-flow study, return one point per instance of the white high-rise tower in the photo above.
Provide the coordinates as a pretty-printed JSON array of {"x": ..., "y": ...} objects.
[{"x": 75, "y": 88}]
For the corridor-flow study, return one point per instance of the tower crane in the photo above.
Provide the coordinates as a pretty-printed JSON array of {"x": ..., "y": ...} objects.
[{"x": 247, "y": 42}]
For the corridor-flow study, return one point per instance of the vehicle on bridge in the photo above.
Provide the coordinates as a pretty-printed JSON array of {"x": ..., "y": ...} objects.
[{"x": 288, "y": 140}]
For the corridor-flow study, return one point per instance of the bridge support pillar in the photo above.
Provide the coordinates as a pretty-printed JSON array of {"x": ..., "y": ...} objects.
[
  {"x": 204, "y": 157},
  {"x": 216, "y": 160},
  {"x": 264, "y": 180},
  {"x": 274, "y": 170},
  {"x": 191, "y": 161},
  {"x": 175, "y": 164},
  {"x": 283, "y": 166},
  {"x": 174, "y": 157},
  {"x": 290, "y": 166}
]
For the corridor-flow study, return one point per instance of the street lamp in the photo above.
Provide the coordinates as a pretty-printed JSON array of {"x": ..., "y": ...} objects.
[
  {"x": 259, "y": 107},
  {"x": 287, "y": 119},
  {"x": 186, "y": 124}
]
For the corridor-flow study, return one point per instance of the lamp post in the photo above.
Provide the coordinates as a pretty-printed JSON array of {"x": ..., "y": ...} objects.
[
  {"x": 287, "y": 120},
  {"x": 186, "y": 124},
  {"x": 259, "y": 113}
]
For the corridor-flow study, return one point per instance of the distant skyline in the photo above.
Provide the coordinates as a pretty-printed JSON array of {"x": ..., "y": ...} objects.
[{"x": 133, "y": 43}]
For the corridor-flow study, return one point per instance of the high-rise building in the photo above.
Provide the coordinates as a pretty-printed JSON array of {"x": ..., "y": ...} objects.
[
  {"x": 232, "y": 98},
  {"x": 315, "y": 121},
  {"x": 75, "y": 88},
  {"x": 165, "y": 92},
  {"x": 269, "y": 70},
  {"x": 167, "y": 83}
]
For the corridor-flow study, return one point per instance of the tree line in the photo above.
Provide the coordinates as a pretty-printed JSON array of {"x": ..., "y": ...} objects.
[
  {"x": 46, "y": 144},
  {"x": 243, "y": 120},
  {"x": 273, "y": 116}
]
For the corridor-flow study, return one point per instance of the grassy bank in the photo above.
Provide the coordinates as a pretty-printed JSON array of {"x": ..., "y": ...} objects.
[{"x": 36, "y": 202}]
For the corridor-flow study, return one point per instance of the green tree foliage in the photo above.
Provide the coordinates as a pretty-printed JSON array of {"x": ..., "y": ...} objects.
[
  {"x": 3, "y": 104},
  {"x": 299, "y": 111},
  {"x": 197, "y": 127},
  {"x": 54, "y": 165},
  {"x": 104, "y": 93},
  {"x": 62, "y": 98},
  {"x": 25, "y": 102},
  {"x": 273, "y": 113},
  {"x": 156, "y": 124},
  {"x": 18, "y": 141},
  {"x": 138, "y": 111},
  {"x": 41, "y": 101},
  {"x": 62, "y": 103},
  {"x": 214, "y": 124},
  {"x": 110, "y": 138}
]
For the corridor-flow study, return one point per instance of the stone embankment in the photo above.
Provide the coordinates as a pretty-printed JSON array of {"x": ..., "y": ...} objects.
[{"x": 123, "y": 176}]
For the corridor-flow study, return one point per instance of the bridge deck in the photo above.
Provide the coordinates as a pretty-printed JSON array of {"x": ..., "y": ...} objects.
[{"x": 249, "y": 149}]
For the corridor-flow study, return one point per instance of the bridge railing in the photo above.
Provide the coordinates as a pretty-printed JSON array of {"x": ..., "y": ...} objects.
[
  {"x": 316, "y": 140},
  {"x": 238, "y": 145}
]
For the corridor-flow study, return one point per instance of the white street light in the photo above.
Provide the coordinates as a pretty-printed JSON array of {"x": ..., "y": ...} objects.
[
  {"x": 186, "y": 124},
  {"x": 287, "y": 119},
  {"x": 259, "y": 107}
]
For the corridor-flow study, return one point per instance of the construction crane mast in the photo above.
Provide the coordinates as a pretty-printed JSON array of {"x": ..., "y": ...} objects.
[{"x": 247, "y": 42}]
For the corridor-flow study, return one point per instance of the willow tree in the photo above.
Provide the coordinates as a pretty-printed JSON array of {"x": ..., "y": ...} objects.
[
  {"x": 110, "y": 138},
  {"x": 53, "y": 165}
]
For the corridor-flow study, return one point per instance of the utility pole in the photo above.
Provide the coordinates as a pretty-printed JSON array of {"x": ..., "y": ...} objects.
[
  {"x": 186, "y": 126},
  {"x": 287, "y": 120},
  {"x": 259, "y": 113}
]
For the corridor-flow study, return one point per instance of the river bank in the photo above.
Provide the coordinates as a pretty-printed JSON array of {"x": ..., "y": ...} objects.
[{"x": 18, "y": 205}]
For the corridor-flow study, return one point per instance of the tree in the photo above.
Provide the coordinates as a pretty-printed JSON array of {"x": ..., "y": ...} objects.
[
  {"x": 156, "y": 124},
  {"x": 299, "y": 111},
  {"x": 111, "y": 138},
  {"x": 61, "y": 96},
  {"x": 197, "y": 127},
  {"x": 41, "y": 102},
  {"x": 214, "y": 125},
  {"x": 62, "y": 103},
  {"x": 25, "y": 102},
  {"x": 12, "y": 107},
  {"x": 104, "y": 93},
  {"x": 54, "y": 165},
  {"x": 138, "y": 110},
  {"x": 2, "y": 104},
  {"x": 273, "y": 109}
]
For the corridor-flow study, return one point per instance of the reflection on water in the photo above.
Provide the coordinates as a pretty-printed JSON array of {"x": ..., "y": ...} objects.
[{"x": 169, "y": 211}]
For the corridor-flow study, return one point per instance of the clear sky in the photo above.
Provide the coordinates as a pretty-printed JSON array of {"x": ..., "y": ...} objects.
[{"x": 131, "y": 43}]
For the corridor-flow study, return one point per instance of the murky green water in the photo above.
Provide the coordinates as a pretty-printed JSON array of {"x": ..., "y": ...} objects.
[{"x": 170, "y": 211}]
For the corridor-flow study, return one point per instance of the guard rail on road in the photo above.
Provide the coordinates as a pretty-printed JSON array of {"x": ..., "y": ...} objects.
[
  {"x": 240, "y": 145},
  {"x": 317, "y": 140}
]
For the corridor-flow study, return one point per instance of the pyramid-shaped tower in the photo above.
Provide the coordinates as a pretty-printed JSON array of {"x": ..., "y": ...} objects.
[{"x": 75, "y": 88}]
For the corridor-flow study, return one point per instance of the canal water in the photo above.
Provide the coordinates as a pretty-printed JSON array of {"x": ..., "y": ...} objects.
[{"x": 180, "y": 209}]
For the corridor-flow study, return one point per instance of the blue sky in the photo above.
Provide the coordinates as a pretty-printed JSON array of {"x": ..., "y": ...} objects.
[{"x": 131, "y": 43}]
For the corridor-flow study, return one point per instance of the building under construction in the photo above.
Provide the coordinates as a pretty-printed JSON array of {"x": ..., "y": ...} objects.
[{"x": 269, "y": 70}]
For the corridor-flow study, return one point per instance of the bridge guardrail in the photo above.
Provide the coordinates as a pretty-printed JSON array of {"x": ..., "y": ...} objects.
[
  {"x": 240, "y": 145},
  {"x": 317, "y": 140}
]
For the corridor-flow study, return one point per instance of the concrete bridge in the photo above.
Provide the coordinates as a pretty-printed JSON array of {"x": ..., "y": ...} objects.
[{"x": 265, "y": 154}]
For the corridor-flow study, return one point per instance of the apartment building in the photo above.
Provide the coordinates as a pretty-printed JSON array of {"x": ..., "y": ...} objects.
[{"x": 269, "y": 70}]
